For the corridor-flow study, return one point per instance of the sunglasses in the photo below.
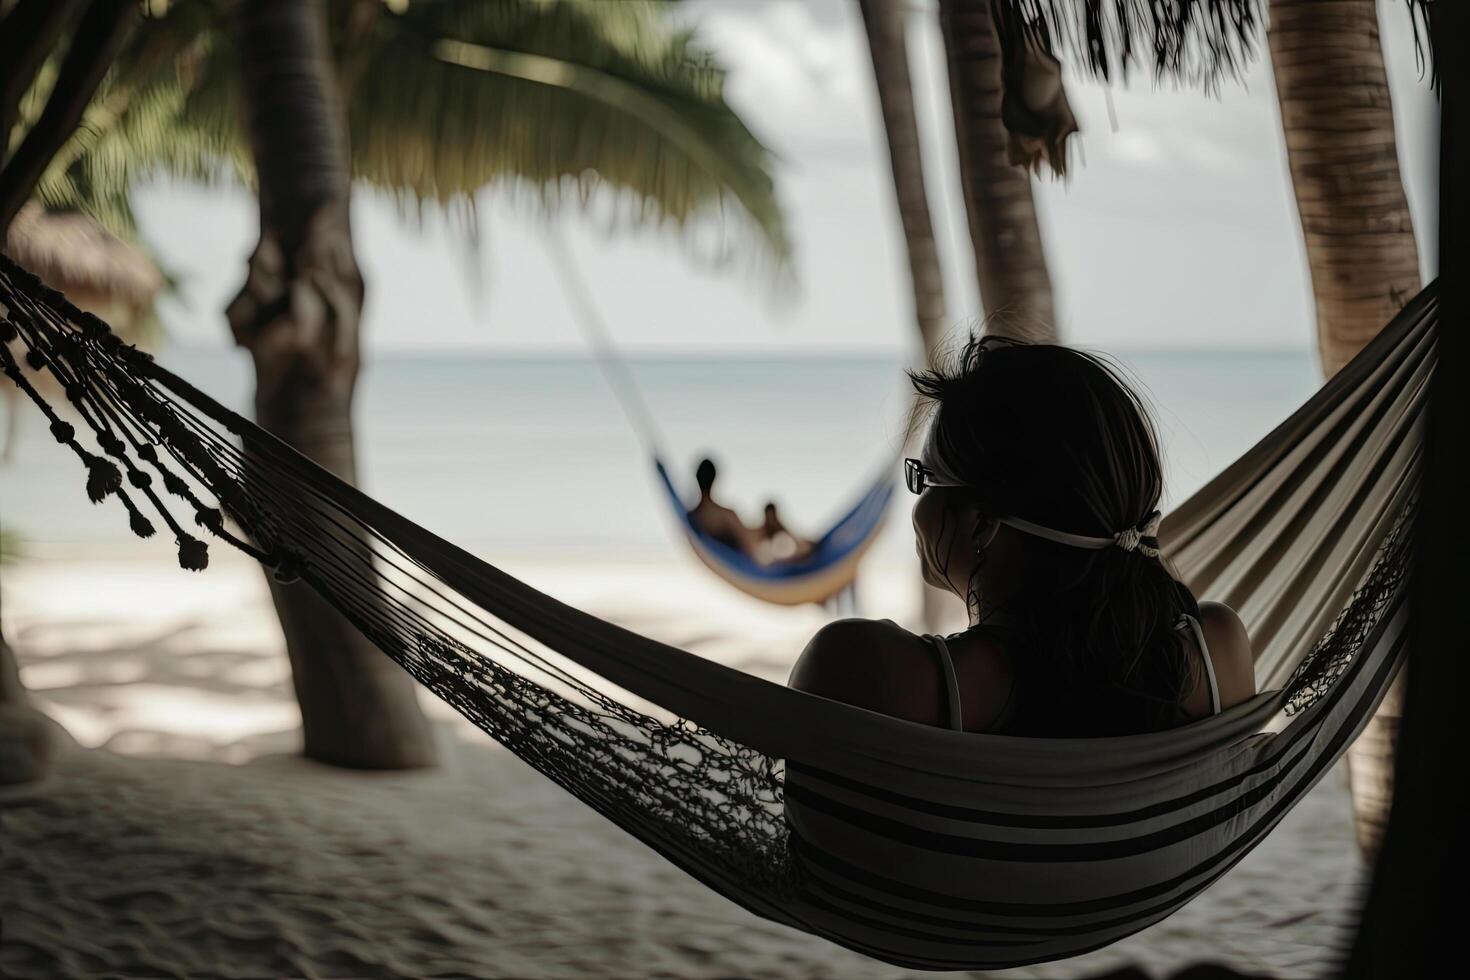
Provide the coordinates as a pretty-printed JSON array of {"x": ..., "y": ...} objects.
[{"x": 918, "y": 476}]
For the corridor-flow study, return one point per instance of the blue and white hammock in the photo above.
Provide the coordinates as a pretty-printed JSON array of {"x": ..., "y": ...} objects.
[{"x": 827, "y": 571}]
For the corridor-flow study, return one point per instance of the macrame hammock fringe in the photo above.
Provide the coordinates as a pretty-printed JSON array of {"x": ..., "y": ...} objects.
[{"x": 920, "y": 846}]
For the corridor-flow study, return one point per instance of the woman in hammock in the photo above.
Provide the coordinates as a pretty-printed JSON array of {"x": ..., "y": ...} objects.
[{"x": 1038, "y": 485}]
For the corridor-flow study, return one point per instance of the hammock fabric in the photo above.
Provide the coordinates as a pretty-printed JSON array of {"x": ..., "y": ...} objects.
[
  {"x": 920, "y": 846},
  {"x": 831, "y": 567}
]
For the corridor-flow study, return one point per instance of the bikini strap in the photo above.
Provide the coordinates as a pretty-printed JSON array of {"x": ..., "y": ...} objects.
[
  {"x": 951, "y": 681},
  {"x": 1204, "y": 652}
]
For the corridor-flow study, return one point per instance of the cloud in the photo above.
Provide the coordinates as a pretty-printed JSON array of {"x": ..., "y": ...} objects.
[{"x": 793, "y": 73}]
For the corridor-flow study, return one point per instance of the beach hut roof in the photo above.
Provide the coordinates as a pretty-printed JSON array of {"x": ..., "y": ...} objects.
[{"x": 73, "y": 253}]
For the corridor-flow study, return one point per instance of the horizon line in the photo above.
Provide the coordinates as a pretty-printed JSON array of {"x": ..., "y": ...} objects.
[{"x": 682, "y": 353}]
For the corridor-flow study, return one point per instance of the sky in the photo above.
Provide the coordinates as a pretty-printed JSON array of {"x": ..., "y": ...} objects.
[{"x": 1177, "y": 229}]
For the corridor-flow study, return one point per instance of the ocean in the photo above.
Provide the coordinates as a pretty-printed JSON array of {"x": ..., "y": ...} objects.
[{"x": 517, "y": 456}]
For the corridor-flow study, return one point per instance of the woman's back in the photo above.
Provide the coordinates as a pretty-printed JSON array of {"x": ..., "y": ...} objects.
[
  {"x": 987, "y": 678},
  {"x": 1034, "y": 708},
  {"x": 877, "y": 665}
]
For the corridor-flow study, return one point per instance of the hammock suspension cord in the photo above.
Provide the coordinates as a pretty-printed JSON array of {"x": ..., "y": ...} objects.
[{"x": 616, "y": 370}]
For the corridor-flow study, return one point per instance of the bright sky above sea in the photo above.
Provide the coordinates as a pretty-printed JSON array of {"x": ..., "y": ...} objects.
[{"x": 1176, "y": 229}]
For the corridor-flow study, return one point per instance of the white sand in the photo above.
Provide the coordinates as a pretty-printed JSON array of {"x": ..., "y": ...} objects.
[{"x": 184, "y": 838}]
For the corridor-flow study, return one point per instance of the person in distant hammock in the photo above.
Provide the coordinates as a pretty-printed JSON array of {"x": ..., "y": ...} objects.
[
  {"x": 778, "y": 542},
  {"x": 769, "y": 544},
  {"x": 718, "y": 521},
  {"x": 1038, "y": 483}
]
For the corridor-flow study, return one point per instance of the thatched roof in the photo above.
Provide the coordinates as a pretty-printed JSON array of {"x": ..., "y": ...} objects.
[{"x": 75, "y": 254}]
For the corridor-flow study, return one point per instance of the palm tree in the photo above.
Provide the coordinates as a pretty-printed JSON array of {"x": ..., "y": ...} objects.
[
  {"x": 884, "y": 22},
  {"x": 887, "y": 45},
  {"x": 1414, "y": 898},
  {"x": 549, "y": 100},
  {"x": 1010, "y": 263},
  {"x": 1337, "y": 118},
  {"x": 298, "y": 315}
]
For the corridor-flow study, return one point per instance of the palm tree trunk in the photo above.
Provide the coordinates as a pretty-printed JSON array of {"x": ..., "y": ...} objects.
[
  {"x": 29, "y": 740},
  {"x": 1413, "y": 906},
  {"x": 298, "y": 315},
  {"x": 887, "y": 44},
  {"x": 884, "y": 22},
  {"x": 1338, "y": 122},
  {"x": 1010, "y": 263}
]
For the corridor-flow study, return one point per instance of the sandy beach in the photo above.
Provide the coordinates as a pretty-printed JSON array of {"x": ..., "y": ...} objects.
[{"x": 182, "y": 836}]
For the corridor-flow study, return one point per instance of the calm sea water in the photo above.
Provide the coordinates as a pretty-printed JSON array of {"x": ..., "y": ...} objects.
[{"x": 531, "y": 456}]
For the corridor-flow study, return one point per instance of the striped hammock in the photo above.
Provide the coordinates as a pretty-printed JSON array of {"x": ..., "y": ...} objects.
[{"x": 920, "y": 846}]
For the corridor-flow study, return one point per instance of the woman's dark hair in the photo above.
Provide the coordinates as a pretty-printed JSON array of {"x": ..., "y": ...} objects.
[{"x": 1055, "y": 436}]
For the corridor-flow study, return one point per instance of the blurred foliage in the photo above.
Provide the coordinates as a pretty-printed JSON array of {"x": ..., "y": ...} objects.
[
  {"x": 546, "y": 100},
  {"x": 9, "y": 544},
  {"x": 139, "y": 124}
]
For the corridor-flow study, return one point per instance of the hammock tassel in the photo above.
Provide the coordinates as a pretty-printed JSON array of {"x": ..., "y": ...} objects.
[
  {"x": 139, "y": 524},
  {"x": 103, "y": 478},
  {"x": 193, "y": 554}
]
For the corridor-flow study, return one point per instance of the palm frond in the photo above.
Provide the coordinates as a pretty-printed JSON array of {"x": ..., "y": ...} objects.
[
  {"x": 1421, "y": 18},
  {"x": 553, "y": 101},
  {"x": 1195, "y": 41},
  {"x": 604, "y": 107},
  {"x": 144, "y": 122}
]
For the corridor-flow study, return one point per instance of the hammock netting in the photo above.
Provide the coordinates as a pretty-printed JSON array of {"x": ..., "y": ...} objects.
[{"x": 920, "y": 846}]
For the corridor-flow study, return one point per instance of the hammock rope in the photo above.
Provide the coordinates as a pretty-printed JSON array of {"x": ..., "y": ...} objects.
[
  {"x": 599, "y": 338},
  {"x": 919, "y": 846}
]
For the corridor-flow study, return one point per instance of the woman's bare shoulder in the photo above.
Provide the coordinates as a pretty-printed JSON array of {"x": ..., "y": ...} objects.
[
  {"x": 874, "y": 664},
  {"x": 1230, "y": 651}
]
